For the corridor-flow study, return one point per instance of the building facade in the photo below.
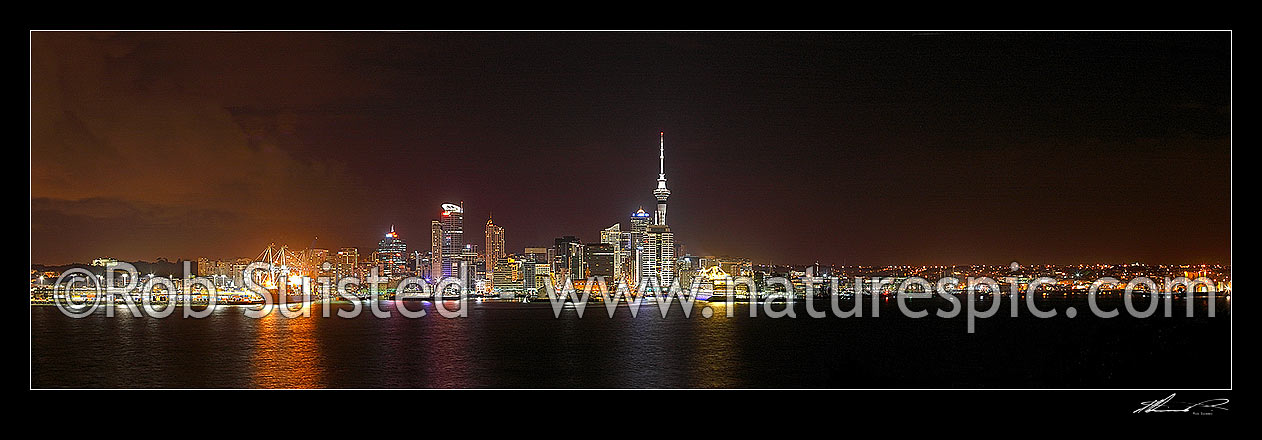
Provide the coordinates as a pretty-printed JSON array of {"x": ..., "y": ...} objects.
[
  {"x": 392, "y": 253},
  {"x": 452, "y": 220},
  {"x": 494, "y": 249}
]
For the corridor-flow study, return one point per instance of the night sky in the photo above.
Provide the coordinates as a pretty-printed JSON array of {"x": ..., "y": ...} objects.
[{"x": 844, "y": 148}]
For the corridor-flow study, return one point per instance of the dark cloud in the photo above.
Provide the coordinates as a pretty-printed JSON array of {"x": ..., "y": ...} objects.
[
  {"x": 856, "y": 147},
  {"x": 130, "y": 142}
]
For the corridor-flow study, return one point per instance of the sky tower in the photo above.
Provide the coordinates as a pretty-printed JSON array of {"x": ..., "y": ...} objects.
[
  {"x": 657, "y": 260},
  {"x": 661, "y": 193}
]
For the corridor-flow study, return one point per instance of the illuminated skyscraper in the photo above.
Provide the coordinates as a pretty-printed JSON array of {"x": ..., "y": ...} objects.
[
  {"x": 392, "y": 253},
  {"x": 472, "y": 268},
  {"x": 452, "y": 220},
  {"x": 635, "y": 244},
  {"x": 422, "y": 265},
  {"x": 494, "y": 249},
  {"x": 599, "y": 260},
  {"x": 507, "y": 276},
  {"x": 436, "y": 251},
  {"x": 659, "y": 254},
  {"x": 537, "y": 254},
  {"x": 346, "y": 264},
  {"x": 536, "y": 269},
  {"x": 568, "y": 257},
  {"x": 612, "y": 236}
]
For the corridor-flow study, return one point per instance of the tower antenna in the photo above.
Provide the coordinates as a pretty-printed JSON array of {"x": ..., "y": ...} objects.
[{"x": 661, "y": 157}]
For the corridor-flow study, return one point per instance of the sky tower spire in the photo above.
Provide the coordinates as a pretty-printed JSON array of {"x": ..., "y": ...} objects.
[
  {"x": 661, "y": 193},
  {"x": 661, "y": 158}
]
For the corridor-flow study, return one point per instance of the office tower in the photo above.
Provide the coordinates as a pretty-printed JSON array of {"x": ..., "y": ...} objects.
[
  {"x": 567, "y": 257},
  {"x": 635, "y": 244},
  {"x": 528, "y": 269},
  {"x": 470, "y": 270},
  {"x": 392, "y": 255},
  {"x": 686, "y": 268},
  {"x": 422, "y": 265},
  {"x": 536, "y": 254},
  {"x": 613, "y": 237},
  {"x": 436, "y": 251},
  {"x": 598, "y": 261},
  {"x": 507, "y": 276},
  {"x": 346, "y": 263},
  {"x": 452, "y": 220},
  {"x": 543, "y": 276},
  {"x": 494, "y": 248},
  {"x": 659, "y": 254}
]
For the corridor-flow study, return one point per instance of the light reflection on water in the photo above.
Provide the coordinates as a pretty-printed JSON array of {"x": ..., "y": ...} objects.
[
  {"x": 286, "y": 354},
  {"x": 514, "y": 345}
]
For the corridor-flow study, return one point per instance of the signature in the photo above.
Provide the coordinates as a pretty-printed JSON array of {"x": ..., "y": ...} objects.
[{"x": 1169, "y": 405}]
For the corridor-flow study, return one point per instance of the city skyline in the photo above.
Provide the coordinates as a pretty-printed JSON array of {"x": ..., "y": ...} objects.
[
  {"x": 1112, "y": 168},
  {"x": 975, "y": 212}
]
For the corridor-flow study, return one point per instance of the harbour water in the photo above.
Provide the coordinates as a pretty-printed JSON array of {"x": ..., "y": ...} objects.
[{"x": 523, "y": 345}]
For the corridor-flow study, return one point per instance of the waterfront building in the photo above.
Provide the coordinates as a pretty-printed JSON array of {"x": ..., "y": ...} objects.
[
  {"x": 422, "y": 263},
  {"x": 536, "y": 254},
  {"x": 452, "y": 220},
  {"x": 315, "y": 261},
  {"x": 659, "y": 254},
  {"x": 634, "y": 241},
  {"x": 612, "y": 236},
  {"x": 686, "y": 268},
  {"x": 599, "y": 260},
  {"x": 205, "y": 267},
  {"x": 391, "y": 255},
  {"x": 568, "y": 257},
  {"x": 507, "y": 276},
  {"x": 435, "y": 251},
  {"x": 345, "y": 262},
  {"x": 238, "y": 271},
  {"x": 473, "y": 268},
  {"x": 494, "y": 248}
]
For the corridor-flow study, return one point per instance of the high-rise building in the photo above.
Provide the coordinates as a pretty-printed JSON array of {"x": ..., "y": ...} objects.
[
  {"x": 494, "y": 248},
  {"x": 452, "y": 219},
  {"x": 536, "y": 254},
  {"x": 635, "y": 244},
  {"x": 392, "y": 253},
  {"x": 528, "y": 279},
  {"x": 421, "y": 263},
  {"x": 686, "y": 267},
  {"x": 536, "y": 269},
  {"x": 598, "y": 261},
  {"x": 613, "y": 237},
  {"x": 346, "y": 263},
  {"x": 659, "y": 254},
  {"x": 436, "y": 251},
  {"x": 472, "y": 268},
  {"x": 507, "y": 276},
  {"x": 567, "y": 256}
]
